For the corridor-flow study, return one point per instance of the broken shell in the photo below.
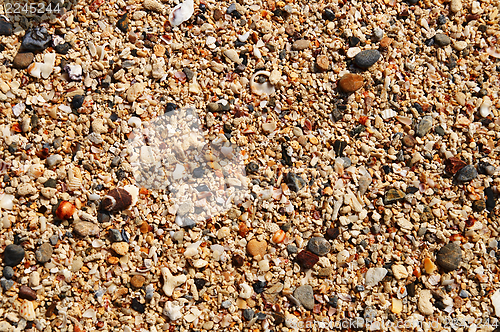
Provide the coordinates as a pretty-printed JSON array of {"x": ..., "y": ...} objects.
[
  {"x": 65, "y": 210},
  {"x": 120, "y": 199},
  {"x": 181, "y": 13},
  {"x": 388, "y": 113},
  {"x": 74, "y": 72},
  {"x": 27, "y": 311},
  {"x": 261, "y": 88},
  {"x": 74, "y": 179},
  {"x": 484, "y": 109}
]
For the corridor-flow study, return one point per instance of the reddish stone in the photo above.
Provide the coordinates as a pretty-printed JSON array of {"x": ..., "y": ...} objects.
[
  {"x": 349, "y": 83},
  {"x": 453, "y": 165},
  {"x": 307, "y": 259}
]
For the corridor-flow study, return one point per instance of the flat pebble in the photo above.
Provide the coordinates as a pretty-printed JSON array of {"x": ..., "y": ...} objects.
[
  {"x": 319, "y": 246},
  {"x": 301, "y": 44},
  {"x": 305, "y": 296},
  {"x": 350, "y": 83},
  {"x": 442, "y": 40},
  {"x": 366, "y": 59},
  {"x": 23, "y": 60},
  {"x": 121, "y": 248},
  {"x": 466, "y": 174},
  {"x": 307, "y": 259},
  {"x": 449, "y": 257},
  {"x": 424, "y": 126},
  {"x": 85, "y": 228},
  {"x": 6, "y": 27},
  {"x": 44, "y": 253},
  {"x": 27, "y": 293}
]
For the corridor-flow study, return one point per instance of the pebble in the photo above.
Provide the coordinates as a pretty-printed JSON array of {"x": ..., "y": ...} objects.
[
  {"x": 479, "y": 205},
  {"x": 257, "y": 248},
  {"x": 6, "y": 283},
  {"x": 62, "y": 48},
  {"x": 332, "y": 233},
  {"x": 374, "y": 275},
  {"x": 27, "y": 293},
  {"x": 259, "y": 286},
  {"x": 424, "y": 302},
  {"x": 393, "y": 195},
  {"x": 453, "y": 165},
  {"x": 138, "y": 306},
  {"x": 305, "y": 296},
  {"x": 449, "y": 257},
  {"x": 226, "y": 304},
  {"x": 485, "y": 168},
  {"x": 137, "y": 281},
  {"x": 34, "y": 279},
  {"x": 294, "y": 181},
  {"x": 53, "y": 160},
  {"x": 121, "y": 248},
  {"x": 13, "y": 255},
  {"x": 322, "y": 62},
  {"x": 442, "y": 40},
  {"x": 399, "y": 272},
  {"x": 248, "y": 314},
  {"x": 378, "y": 34},
  {"x": 23, "y": 60},
  {"x": 349, "y": 83},
  {"x": 367, "y": 58},
  {"x": 463, "y": 294},
  {"x": 44, "y": 253},
  {"x": 77, "y": 102},
  {"x": 301, "y": 44},
  {"x": 8, "y": 272},
  {"x": 123, "y": 23},
  {"x": 466, "y": 174},
  {"x": 85, "y": 228},
  {"x": 424, "y": 126},
  {"x": 292, "y": 249},
  {"x": 386, "y": 42},
  {"x": 325, "y": 272},
  {"x": 6, "y": 27},
  {"x": 36, "y": 40},
  {"x": 150, "y": 291},
  {"x": 409, "y": 141},
  {"x": 233, "y": 56},
  {"x": 456, "y": 6},
  {"x": 319, "y": 246},
  {"x": 307, "y": 259}
]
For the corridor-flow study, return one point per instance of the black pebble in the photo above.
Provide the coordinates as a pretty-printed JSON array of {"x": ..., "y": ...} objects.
[
  {"x": 252, "y": 168},
  {"x": 353, "y": 41},
  {"x": 171, "y": 107},
  {"x": 6, "y": 27},
  {"x": 13, "y": 255},
  {"x": 103, "y": 216},
  {"x": 248, "y": 314},
  {"x": 198, "y": 172},
  {"x": 490, "y": 199},
  {"x": 63, "y": 48},
  {"x": 138, "y": 306},
  {"x": 77, "y": 102},
  {"x": 429, "y": 42},
  {"x": 328, "y": 15},
  {"x": 36, "y": 40},
  {"x": 410, "y": 288},
  {"x": 261, "y": 316},
  {"x": 441, "y": 20},
  {"x": 259, "y": 286},
  {"x": 338, "y": 147},
  {"x": 199, "y": 283},
  {"x": 333, "y": 301}
]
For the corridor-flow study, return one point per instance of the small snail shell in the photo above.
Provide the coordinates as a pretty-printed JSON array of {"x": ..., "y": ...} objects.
[
  {"x": 279, "y": 236},
  {"x": 65, "y": 210}
]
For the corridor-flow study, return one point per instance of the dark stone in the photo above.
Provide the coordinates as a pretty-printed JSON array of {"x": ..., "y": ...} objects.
[
  {"x": 463, "y": 294},
  {"x": 466, "y": 174},
  {"x": 237, "y": 261},
  {"x": 338, "y": 147},
  {"x": 490, "y": 199},
  {"x": 328, "y": 15},
  {"x": 305, "y": 295},
  {"x": 6, "y": 28},
  {"x": 103, "y": 216},
  {"x": 261, "y": 316},
  {"x": 441, "y": 20},
  {"x": 409, "y": 141},
  {"x": 360, "y": 288},
  {"x": 353, "y": 41},
  {"x": 248, "y": 314},
  {"x": 287, "y": 159},
  {"x": 44, "y": 253},
  {"x": 286, "y": 227},
  {"x": 319, "y": 246},
  {"x": 479, "y": 205},
  {"x": 292, "y": 249},
  {"x": 138, "y": 306},
  {"x": 442, "y": 40},
  {"x": 189, "y": 73},
  {"x": 485, "y": 168},
  {"x": 426, "y": 215},
  {"x": 27, "y": 293},
  {"x": 295, "y": 182},
  {"x": 217, "y": 14},
  {"x": 424, "y": 126},
  {"x": 332, "y": 233},
  {"x": 259, "y": 286},
  {"x": 36, "y": 40},
  {"x": 50, "y": 183},
  {"x": 393, "y": 195},
  {"x": 199, "y": 283},
  {"x": 77, "y": 102},
  {"x": 13, "y": 255},
  {"x": 252, "y": 168},
  {"x": 440, "y": 305},
  {"x": 115, "y": 162},
  {"x": 307, "y": 259},
  {"x": 453, "y": 165},
  {"x": 62, "y": 48},
  {"x": 439, "y": 131},
  {"x": 23, "y": 60},
  {"x": 279, "y": 318},
  {"x": 115, "y": 235},
  {"x": 449, "y": 257},
  {"x": 366, "y": 59},
  {"x": 123, "y": 23},
  {"x": 198, "y": 172},
  {"x": 8, "y": 272},
  {"x": 6, "y": 283},
  {"x": 333, "y": 301}
]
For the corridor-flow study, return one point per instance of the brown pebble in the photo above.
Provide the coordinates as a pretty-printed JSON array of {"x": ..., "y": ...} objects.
[
  {"x": 137, "y": 281},
  {"x": 237, "y": 261},
  {"x": 449, "y": 257},
  {"x": 349, "y": 83},
  {"x": 307, "y": 259},
  {"x": 458, "y": 302},
  {"x": 117, "y": 199},
  {"x": 409, "y": 141},
  {"x": 144, "y": 228},
  {"x": 332, "y": 233},
  {"x": 322, "y": 62},
  {"x": 217, "y": 14},
  {"x": 453, "y": 165},
  {"x": 243, "y": 229},
  {"x": 256, "y": 248},
  {"x": 27, "y": 293},
  {"x": 23, "y": 60},
  {"x": 385, "y": 42},
  {"x": 121, "y": 248}
]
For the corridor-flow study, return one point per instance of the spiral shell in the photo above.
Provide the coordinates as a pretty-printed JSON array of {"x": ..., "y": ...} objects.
[{"x": 74, "y": 179}]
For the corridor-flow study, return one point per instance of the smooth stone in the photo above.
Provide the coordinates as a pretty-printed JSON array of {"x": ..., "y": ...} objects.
[
  {"x": 455, "y": 6},
  {"x": 121, "y": 248},
  {"x": 449, "y": 257},
  {"x": 36, "y": 40},
  {"x": 325, "y": 272},
  {"x": 294, "y": 182},
  {"x": 305, "y": 296},
  {"x": 189, "y": 73},
  {"x": 349, "y": 83},
  {"x": 442, "y": 40},
  {"x": 329, "y": 15},
  {"x": 292, "y": 249},
  {"x": 213, "y": 107},
  {"x": 393, "y": 195},
  {"x": 256, "y": 248},
  {"x": 53, "y": 160},
  {"x": 323, "y": 63},
  {"x": 332, "y": 233},
  {"x": 248, "y": 314},
  {"x": 374, "y": 275},
  {"x": 233, "y": 56},
  {"x": 27, "y": 293},
  {"x": 319, "y": 246},
  {"x": 13, "y": 255},
  {"x": 138, "y": 306},
  {"x": 466, "y": 174},
  {"x": 77, "y": 102},
  {"x": 378, "y": 34},
  {"x": 367, "y": 58},
  {"x": 137, "y": 281},
  {"x": 34, "y": 280},
  {"x": 6, "y": 283},
  {"x": 8, "y": 272},
  {"x": 409, "y": 141},
  {"x": 62, "y": 48},
  {"x": 6, "y": 27},
  {"x": 23, "y": 60},
  {"x": 486, "y": 168},
  {"x": 424, "y": 126},
  {"x": 307, "y": 259},
  {"x": 301, "y": 44},
  {"x": 44, "y": 253},
  {"x": 54, "y": 239},
  {"x": 85, "y": 228}
]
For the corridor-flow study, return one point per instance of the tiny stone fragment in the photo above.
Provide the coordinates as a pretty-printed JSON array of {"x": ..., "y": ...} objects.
[{"x": 449, "y": 257}]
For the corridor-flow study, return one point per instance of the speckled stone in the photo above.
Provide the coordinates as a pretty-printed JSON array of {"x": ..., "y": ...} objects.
[
  {"x": 466, "y": 174},
  {"x": 44, "y": 253},
  {"x": 393, "y": 195},
  {"x": 409, "y": 141},
  {"x": 305, "y": 296},
  {"x": 319, "y": 246},
  {"x": 449, "y": 257},
  {"x": 366, "y": 59}
]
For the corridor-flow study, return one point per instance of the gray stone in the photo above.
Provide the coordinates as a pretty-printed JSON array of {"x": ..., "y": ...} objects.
[
  {"x": 305, "y": 296},
  {"x": 54, "y": 239},
  {"x": 378, "y": 34},
  {"x": 8, "y": 272},
  {"x": 44, "y": 253},
  {"x": 424, "y": 126},
  {"x": 466, "y": 174},
  {"x": 13, "y": 255},
  {"x": 294, "y": 181},
  {"x": 6, "y": 283},
  {"x": 36, "y": 40},
  {"x": 366, "y": 59},
  {"x": 189, "y": 73},
  {"x": 319, "y": 245},
  {"x": 441, "y": 39},
  {"x": 292, "y": 249},
  {"x": 248, "y": 314},
  {"x": 449, "y": 257}
]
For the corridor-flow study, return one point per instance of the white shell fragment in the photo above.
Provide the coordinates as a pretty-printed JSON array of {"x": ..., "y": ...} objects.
[
  {"x": 181, "y": 13},
  {"x": 261, "y": 88},
  {"x": 388, "y": 113},
  {"x": 484, "y": 109}
]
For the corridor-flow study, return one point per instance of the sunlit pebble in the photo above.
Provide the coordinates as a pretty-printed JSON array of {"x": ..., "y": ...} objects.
[
  {"x": 65, "y": 210},
  {"x": 279, "y": 236}
]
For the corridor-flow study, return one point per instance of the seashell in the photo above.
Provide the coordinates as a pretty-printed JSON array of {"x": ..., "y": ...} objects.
[
  {"x": 493, "y": 52},
  {"x": 65, "y": 210},
  {"x": 388, "y": 113},
  {"x": 117, "y": 199},
  {"x": 7, "y": 202},
  {"x": 404, "y": 120},
  {"x": 74, "y": 71},
  {"x": 484, "y": 109},
  {"x": 279, "y": 236},
  {"x": 261, "y": 88},
  {"x": 35, "y": 69},
  {"x": 27, "y": 311},
  {"x": 74, "y": 179},
  {"x": 181, "y": 13}
]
